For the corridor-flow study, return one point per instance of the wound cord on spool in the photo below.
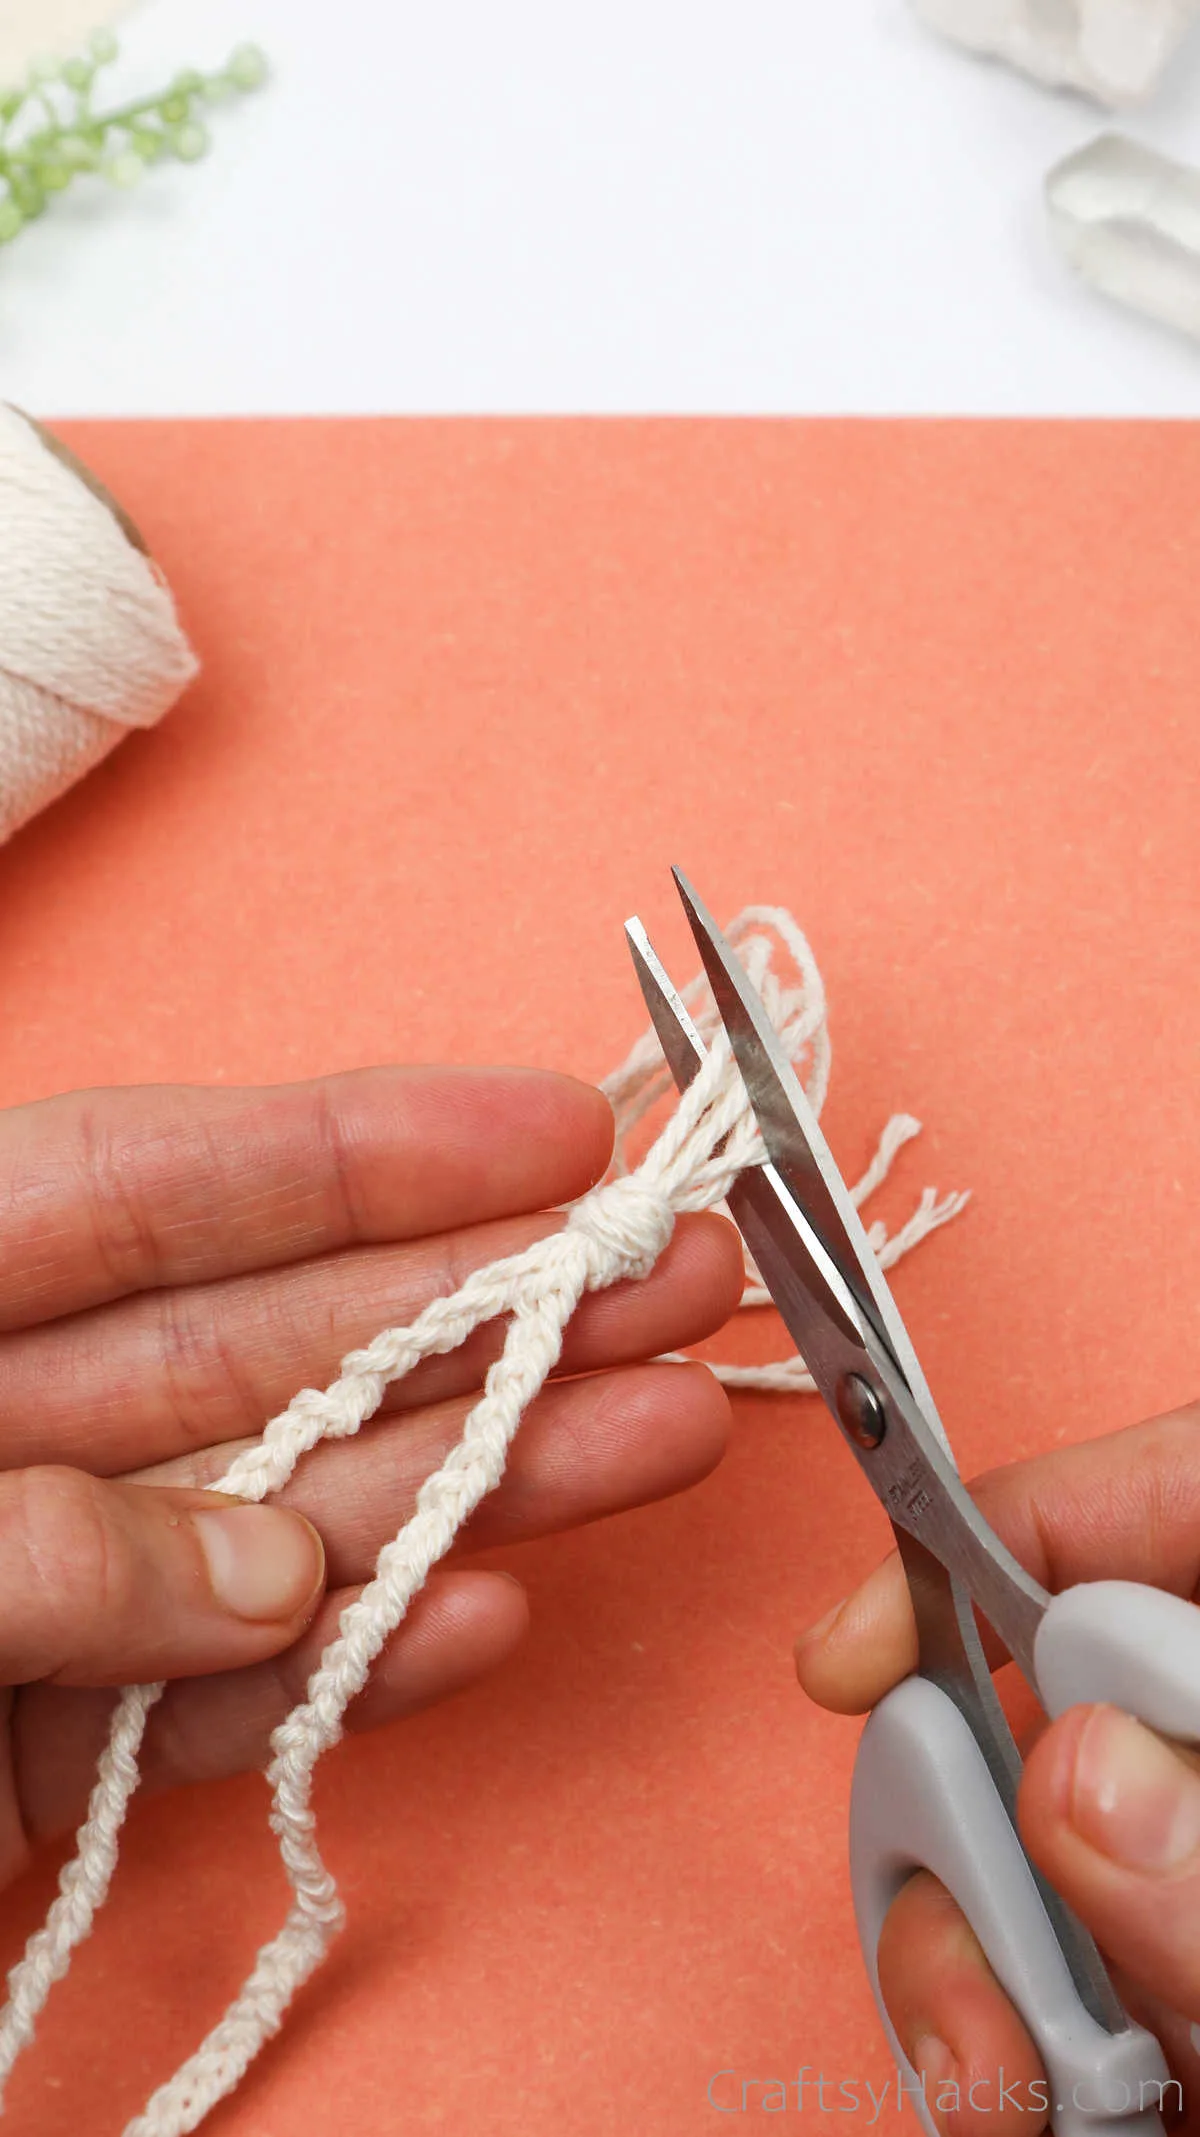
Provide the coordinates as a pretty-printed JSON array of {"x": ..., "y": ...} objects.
[{"x": 90, "y": 644}]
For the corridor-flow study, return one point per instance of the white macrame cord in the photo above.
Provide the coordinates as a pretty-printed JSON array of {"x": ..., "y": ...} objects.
[{"x": 615, "y": 1233}]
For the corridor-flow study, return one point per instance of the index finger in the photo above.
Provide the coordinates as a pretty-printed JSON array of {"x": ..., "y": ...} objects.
[
  {"x": 108, "y": 1192},
  {"x": 1122, "y": 1508}
]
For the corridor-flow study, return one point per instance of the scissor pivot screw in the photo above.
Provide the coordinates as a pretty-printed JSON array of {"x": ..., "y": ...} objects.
[{"x": 860, "y": 1410}]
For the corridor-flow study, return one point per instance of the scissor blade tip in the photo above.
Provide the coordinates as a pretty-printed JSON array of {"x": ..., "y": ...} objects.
[
  {"x": 700, "y": 920},
  {"x": 645, "y": 960},
  {"x": 692, "y": 902}
]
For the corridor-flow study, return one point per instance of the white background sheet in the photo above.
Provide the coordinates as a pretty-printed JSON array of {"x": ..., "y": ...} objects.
[{"x": 646, "y": 205}]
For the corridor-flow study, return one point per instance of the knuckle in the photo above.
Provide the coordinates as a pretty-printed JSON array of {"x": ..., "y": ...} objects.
[
  {"x": 209, "y": 1385},
  {"x": 202, "y": 1731},
  {"x": 462, "y": 1254},
  {"x": 458, "y": 1257},
  {"x": 1146, "y": 1489},
  {"x": 118, "y": 1221},
  {"x": 333, "y": 1162},
  {"x": 57, "y": 1539},
  {"x": 182, "y": 1744},
  {"x": 1172, "y": 1448}
]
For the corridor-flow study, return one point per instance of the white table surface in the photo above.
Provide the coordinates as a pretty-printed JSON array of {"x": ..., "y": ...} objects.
[{"x": 729, "y": 206}]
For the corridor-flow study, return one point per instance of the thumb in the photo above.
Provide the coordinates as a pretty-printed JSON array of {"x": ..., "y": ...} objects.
[
  {"x": 108, "y": 1583},
  {"x": 1110, "y": 1813}
]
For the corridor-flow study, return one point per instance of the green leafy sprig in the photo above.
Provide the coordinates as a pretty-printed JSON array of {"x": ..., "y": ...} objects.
[{"x": 51, "y": 133}]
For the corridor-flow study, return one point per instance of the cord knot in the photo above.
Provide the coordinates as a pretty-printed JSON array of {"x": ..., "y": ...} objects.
[{"x": 629, "y": 1223}]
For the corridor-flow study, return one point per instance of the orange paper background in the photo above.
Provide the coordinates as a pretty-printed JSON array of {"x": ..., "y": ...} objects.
[{"x": 468, "y": 689}]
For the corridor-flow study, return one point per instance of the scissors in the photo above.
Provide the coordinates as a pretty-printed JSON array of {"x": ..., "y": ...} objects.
[{"x": 937, "y": 1772}]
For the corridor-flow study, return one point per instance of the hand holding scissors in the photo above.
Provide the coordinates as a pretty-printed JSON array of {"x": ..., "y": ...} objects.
[{"x": 937, "y": 1773}]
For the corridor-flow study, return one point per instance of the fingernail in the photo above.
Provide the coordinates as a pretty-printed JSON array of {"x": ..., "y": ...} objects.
[
  {"x": 934, "y": 2065},
  {"x": 263, "y": 1564},
  {"x": 1131, "y": 1797}
]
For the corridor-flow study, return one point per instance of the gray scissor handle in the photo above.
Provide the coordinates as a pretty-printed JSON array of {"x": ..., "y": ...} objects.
[
  {"x": 1116, "y": 1643},
  {"x": 923, "y": 1799}
]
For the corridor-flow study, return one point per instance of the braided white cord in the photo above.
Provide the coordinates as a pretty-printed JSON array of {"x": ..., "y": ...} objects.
[{"x": 615, "y": 1233}]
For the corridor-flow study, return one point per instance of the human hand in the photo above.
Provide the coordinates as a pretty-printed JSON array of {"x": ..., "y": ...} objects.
[
  {"x": 174, "y": 1265},
  {"x": 1108, "y": 1811}
]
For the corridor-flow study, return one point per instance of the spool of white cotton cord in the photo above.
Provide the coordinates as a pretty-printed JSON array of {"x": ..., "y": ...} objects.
[{"x": 90, "y": 644}]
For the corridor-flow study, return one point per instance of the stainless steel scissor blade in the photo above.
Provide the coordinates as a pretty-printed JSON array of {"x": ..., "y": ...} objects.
[
  {"x": 793, "y": 1139},
  {"x": 867, "y": 1372},
  {"x": 800, "y": 1224}
]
